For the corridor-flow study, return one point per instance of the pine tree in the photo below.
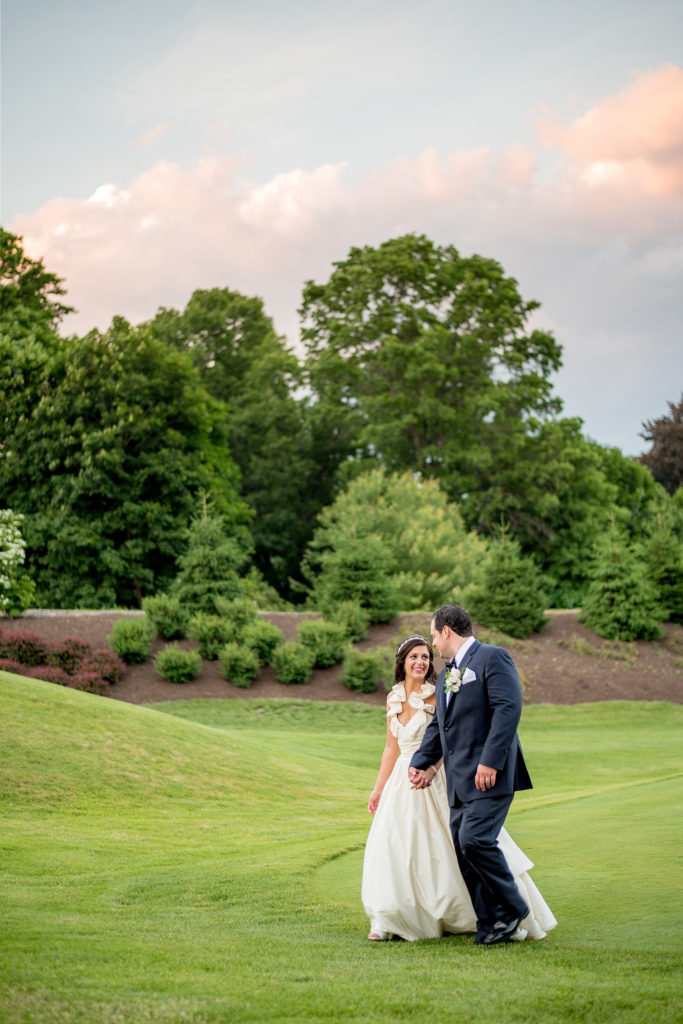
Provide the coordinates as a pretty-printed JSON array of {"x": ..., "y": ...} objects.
[
  {"x": 664, "y": 557},
  {"x": 512, "y": 598},
  {"x": 621, "y": 602},
  {"x": 210, "y": 566}
]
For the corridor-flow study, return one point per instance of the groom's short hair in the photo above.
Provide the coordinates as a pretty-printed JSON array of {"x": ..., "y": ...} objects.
[{"x": 455, "y": 617}]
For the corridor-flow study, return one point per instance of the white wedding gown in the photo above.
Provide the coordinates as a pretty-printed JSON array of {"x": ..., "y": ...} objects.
[{"x": 412, "y": 886}]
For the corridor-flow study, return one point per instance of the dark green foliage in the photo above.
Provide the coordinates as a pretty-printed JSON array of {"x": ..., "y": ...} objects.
[
  {"x": 358, "y": 569},
  {"x": 209, "y": 567},
  {"x": 246, "y": 366},
  {"x": 621, "y": 603},
  {"x": 327, "y": 640},
  {"x": 177, "y": 665},
  {"x": 239, "y": 664},
  {"x": 211, "y": 632},
  {"x": 664, "y": 559},
  {"x": 131, "y": 638},
  {"x": 512, "y": 598},
  {"x": 168, "y": 615},
  {"x": 263, "y": 637},
  {"x": 352, "y": 617},
  {"x": 421, "y": 359},
  {"x": 362, "y": 670},
  {"x": 108, "y": 463},
  {"x": 293, "y": 663}
]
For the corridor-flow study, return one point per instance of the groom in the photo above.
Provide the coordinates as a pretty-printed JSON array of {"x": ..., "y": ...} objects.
[{"x": 474, "y": 730}]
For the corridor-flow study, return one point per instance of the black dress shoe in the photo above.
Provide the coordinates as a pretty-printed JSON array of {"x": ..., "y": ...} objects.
[{"x": 502, "y": 932}]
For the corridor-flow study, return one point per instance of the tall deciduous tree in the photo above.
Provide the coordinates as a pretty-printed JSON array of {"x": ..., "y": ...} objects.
[
  {"x": 31, "y": 309},
  {"x": 108, "y": 466},
  {"x": 419, "y": 357},
  {"x": 665, "y": 458},
  {"x": 245, "y": 364}
]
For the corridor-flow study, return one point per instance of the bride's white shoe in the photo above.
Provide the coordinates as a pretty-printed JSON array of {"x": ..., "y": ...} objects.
[{"x": 377, "y": 936}]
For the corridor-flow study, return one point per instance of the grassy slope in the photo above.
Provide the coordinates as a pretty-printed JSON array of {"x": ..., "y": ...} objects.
[{"x": 159, "y": 868}]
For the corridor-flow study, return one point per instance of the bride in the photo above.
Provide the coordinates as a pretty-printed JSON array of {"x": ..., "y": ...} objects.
[{"x": 412, "y": 887}]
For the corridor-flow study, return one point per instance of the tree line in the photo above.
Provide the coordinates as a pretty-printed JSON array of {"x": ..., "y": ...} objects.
[{"x": 418, "y": 429}]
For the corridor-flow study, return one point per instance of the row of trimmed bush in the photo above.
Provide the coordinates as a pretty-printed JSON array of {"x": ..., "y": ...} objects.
[
  {"x": 242, "y": 642},
  {"x": 69, "y": 662}
]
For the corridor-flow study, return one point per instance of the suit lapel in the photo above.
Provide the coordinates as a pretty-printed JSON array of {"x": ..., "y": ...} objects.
[{"x": 448, "y": 706}]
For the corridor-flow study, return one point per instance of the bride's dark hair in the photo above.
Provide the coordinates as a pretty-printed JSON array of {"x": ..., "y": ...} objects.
[{"x": 402, "y": 652}]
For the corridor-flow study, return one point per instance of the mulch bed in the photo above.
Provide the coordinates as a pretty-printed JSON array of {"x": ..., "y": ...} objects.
[{"x": 557, "y": 665}]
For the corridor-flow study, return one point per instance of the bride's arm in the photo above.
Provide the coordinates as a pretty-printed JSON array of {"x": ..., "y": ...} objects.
[{"x": 389, "y": 759}]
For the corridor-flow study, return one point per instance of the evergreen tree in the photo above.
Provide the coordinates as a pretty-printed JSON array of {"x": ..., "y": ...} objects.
[
  {"x": 512, "y": 597},
  {"x": 209, "y": 568},
  {"x": 664, "y": 557},
  {"x": 621, "y": 603}
]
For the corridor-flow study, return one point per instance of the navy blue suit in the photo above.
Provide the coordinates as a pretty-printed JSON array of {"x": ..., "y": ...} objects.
[{"x": 479, "y": 726}]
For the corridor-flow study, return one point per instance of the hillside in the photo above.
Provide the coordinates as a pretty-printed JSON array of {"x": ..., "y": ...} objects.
[{"x": 565, "y": 663}]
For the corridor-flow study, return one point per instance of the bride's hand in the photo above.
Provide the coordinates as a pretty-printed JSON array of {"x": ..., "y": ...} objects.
[{"x": 373, "y": 802}]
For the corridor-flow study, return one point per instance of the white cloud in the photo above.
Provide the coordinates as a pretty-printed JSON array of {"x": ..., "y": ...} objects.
[{"x": 596, "y": 236}]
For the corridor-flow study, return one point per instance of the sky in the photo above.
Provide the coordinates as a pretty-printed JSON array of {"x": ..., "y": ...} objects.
[{"x": 153, "y": 147}]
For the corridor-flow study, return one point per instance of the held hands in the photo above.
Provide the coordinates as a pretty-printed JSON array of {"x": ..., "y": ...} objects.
[
  {"x": 485, "y": 778},
  {"x": 421, "y": 779}
]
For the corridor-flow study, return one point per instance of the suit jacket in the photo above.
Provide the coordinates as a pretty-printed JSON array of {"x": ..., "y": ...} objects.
[{"x": 478, "y": 727}]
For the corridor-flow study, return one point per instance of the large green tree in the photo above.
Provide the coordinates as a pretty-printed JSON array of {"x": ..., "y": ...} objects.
[
  {"x": 31, "y": 309},
  {"x": 108, "y": 466},
  {"x": 419, "y": 357},
  {"x": 407, "y": 523},
  {"x": 245, "y": 364}
]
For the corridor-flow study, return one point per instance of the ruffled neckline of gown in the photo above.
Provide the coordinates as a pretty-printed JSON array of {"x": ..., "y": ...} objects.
[{"x": 397, "y": 698}]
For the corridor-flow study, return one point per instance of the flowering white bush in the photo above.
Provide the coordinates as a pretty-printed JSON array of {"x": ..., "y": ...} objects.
[{"x": 12, "y": 552}]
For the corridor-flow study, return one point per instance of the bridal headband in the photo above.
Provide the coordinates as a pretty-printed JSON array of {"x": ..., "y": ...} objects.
[{"x": 409, "y": 639}]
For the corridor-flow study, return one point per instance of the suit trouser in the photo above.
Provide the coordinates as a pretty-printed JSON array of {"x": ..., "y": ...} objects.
[{"x": 474, "y": 827}]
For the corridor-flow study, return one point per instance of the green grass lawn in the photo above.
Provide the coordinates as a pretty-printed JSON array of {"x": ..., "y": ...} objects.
[{"x": 200, "y": 862}]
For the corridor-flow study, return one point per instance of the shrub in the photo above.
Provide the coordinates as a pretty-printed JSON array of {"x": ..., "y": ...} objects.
[
  {"x": 211, "y": 632},
  {"x": 107, "y": 665},
  {"x": 240, "y": 611},
  {"x": 68, "y": 654},
  {"x": 263, "y": 637},
  {"x": 176, "y": 665},
  {"x": 512, "y": 597},
  {"x": 9, "y": 665},
  {"x": 326, "y": 640},
  {"x": 91, "y": 682},
  {"x": 362, "y": 670},
  {"x": 352, "y": 617},
  {"x": 131, "y": 639},
  {"x": 168, "y": 616},
  {"x": 50, "y": 674},
  {"x": 239, "y": 664},
  {"x": 23, "y": 646},
  {"x": 293, "y": 663}
]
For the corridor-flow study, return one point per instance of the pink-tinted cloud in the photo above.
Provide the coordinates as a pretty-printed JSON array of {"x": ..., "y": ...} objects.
[
  {"x": 151, "y": 136},
  {"x": 173, "y": 229},
  {"x": 636, "y": 136}
]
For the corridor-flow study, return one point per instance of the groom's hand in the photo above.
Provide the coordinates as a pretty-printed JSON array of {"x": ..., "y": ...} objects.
[
  {"x": 419, "y": 779},
  {"x": 485, "y": 778}
]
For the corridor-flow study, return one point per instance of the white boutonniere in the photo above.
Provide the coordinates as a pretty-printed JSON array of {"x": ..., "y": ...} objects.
[{"x": 453, "y": 680}]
